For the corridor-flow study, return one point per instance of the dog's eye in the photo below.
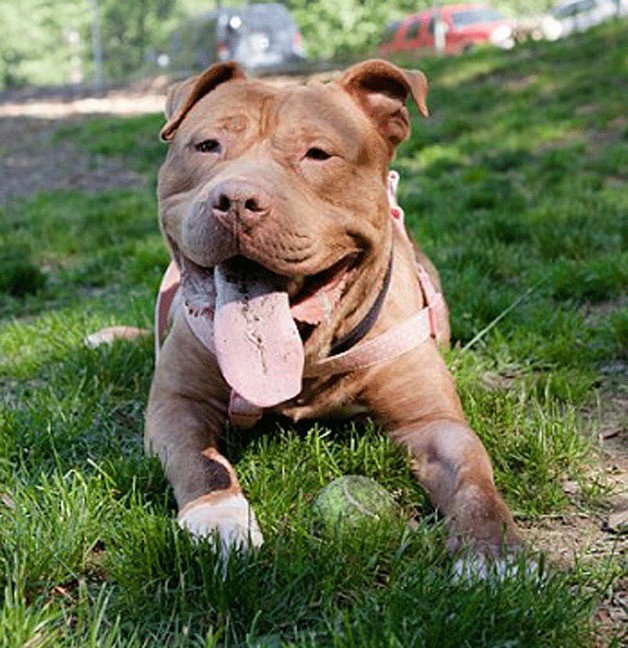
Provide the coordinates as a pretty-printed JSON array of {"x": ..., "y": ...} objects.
[
  {"x": 317, "y": 154},
  {"x": 208, "y": 146}
]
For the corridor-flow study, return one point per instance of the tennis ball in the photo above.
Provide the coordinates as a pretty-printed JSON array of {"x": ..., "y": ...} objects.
[{"x": 350, "y": 501}]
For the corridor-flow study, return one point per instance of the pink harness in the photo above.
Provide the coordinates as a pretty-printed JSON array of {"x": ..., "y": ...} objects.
[{"x": 428, "y": 322}]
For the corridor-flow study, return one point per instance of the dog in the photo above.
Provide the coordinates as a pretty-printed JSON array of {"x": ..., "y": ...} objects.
[{"x": 294, "y": 290}]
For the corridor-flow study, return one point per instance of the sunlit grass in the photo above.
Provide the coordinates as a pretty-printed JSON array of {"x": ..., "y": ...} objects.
[{"x": 515, "y": 188}]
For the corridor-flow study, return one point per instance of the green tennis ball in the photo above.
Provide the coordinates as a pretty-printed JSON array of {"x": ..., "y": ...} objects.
[{"x": 350, "y": 501}]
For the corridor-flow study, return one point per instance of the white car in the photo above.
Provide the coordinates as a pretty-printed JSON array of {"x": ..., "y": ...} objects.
[{"x": 579, "y": 15}]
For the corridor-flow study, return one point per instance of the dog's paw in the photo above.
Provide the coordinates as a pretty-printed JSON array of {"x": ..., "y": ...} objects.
[
  {"x": 479, "y": 522},
  {"x": 473, "y": 567},
  {"x": 111, "y": 334},
  {"x": 230, "y": 520}
]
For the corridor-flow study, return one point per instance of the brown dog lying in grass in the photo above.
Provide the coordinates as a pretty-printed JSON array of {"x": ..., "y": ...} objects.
[{"x": 295, "y": 290}]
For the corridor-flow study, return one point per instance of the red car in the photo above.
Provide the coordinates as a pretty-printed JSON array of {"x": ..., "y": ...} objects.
[{"x": 464, "y": 26}]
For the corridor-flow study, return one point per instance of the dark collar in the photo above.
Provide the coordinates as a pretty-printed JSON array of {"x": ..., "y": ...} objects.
[{"x": 352, "y": 338}]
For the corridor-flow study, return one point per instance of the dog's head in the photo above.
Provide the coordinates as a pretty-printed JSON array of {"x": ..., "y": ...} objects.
[{"x": 288, "y": 183}]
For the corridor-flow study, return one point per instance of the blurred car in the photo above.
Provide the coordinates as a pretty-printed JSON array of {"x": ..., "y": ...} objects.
[
  {"x": 579, "y": 15},
  {"x": 257, "y": 36},
  {"x": 464, "y": 27}
]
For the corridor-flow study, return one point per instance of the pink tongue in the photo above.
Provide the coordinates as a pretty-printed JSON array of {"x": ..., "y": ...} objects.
[{"x": 258, "y": 346}]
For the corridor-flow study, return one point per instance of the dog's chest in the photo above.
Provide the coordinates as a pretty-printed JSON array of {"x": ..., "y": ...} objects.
[{"x": 336, "y": 398}]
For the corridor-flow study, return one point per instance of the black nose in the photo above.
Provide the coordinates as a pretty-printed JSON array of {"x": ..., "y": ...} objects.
[{"x": 239, "y": 200}]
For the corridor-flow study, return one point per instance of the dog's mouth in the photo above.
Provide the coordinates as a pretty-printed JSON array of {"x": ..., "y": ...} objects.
[
  {"x": 311, "y": 297},
  {"x": 258, "y": 342}
]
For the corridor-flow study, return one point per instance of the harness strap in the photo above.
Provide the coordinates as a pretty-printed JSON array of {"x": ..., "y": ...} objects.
[
  {"x": 435, "y": 304},
  {"x": 242, "y": 413},
  {"x": 387, "y": 346},
  {"x": 360, "y": 331},
  {"x": 167, "y": 290}
]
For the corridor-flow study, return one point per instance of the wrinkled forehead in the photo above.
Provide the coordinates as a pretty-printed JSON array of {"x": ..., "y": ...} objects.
[
  {"x": 230, "y": 103},
  {"x": 237, "y": 105},
  {"x": 325, "y": 108}
]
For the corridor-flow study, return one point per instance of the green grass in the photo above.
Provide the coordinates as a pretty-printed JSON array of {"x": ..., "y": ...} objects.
[
  {"x": 137, "y": 141},
  {"x": 515, "y": 185}
]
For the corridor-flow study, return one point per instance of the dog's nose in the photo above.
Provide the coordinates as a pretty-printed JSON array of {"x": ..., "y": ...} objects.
[{"x": 241, "y": 201}]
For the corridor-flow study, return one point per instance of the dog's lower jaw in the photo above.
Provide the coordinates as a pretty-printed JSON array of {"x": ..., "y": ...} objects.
[{"x": 228, "y": 522}]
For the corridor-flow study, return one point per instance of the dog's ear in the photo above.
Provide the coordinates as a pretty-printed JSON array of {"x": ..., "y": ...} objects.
[
  {"x": 184, "y": 95},
  {"x": 381, "y": 90}
]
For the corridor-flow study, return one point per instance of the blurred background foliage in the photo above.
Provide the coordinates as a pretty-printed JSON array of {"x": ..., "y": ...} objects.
[{"x": 49, "y": 42}]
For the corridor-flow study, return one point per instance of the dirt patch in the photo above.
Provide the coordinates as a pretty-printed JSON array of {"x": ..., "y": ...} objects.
[
  {"x": 31, "y": 162},
  {"x": 140, "y": 98},
  {"x": 585, "y": 539},
  {"x": 567, "y": 538},
  {"x": 58, "y": 103},
  {"x": 30, "y": 159}
]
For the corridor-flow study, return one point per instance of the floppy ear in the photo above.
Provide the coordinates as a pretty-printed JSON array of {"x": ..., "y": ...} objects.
[
  {"x": 381, "y": 90},
  {"x": 184, "y": 95}
]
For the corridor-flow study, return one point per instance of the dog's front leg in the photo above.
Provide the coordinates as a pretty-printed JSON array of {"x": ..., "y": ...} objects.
[
  {"x": 452, "y": 464},
  {"x": 415, "y": 398},
  {"x": 185, "y": 414}
]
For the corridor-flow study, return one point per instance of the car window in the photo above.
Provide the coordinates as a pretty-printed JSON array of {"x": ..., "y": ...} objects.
[
  {"x": 574, "y": 8},
  {"x": 269, "y": 18},
  {"x": 265, "y": 16},
  {"x": 586, "y": 5},
  {"x": 564, "y": 11},
  {"x": 475, "y": 16},
  {"x": 389, "y": 32},
  {"x": 431, "y": 26},
  {"x": 413, "y": 30}
]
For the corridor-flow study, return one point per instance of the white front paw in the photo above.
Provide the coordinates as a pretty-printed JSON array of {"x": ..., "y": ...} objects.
[
  {"x": 230, "y": 519},
  {"x": 472, "y": 567}
]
